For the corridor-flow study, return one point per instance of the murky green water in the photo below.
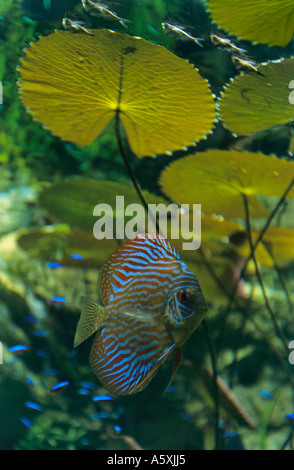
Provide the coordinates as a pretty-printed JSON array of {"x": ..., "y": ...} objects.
[{"x": 234, "y": 387}]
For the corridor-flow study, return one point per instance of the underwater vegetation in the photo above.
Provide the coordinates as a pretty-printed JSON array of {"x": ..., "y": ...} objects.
[{"x": 162, "y": 102}]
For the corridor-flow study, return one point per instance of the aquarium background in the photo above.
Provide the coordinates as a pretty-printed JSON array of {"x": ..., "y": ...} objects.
[{"x": 46, "y": 200}]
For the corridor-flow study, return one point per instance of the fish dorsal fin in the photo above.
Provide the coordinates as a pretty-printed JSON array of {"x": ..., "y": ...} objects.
[
  {"x": 128, "y": 351},
  {"x": 89, "y": 322}
]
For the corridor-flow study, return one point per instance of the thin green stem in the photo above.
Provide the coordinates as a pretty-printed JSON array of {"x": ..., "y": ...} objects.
[
  {"x": 130, "y": 170},
  {"x": 259, "y": 277},
  {"x": 257, "y": 241},
  {"x": 216, "y": 390}
]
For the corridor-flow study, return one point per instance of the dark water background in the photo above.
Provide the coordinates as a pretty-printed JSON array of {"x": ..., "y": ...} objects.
[{"x": 31, "y": 416}]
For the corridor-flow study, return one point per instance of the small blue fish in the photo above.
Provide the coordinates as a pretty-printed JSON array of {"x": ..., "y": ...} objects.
[
  {"x": 76, "y": 256},
  {"x": 57, "y": 299},
  {"x": 83, "y": 392},
  {"x": 33, "y": 406},
  {"x": 29, "y": 380},
  {"x": 40, "y": 333},
  {"x": 290, "y": 416},
  {"x": 53, "y": 265},
  {"x": 152, "y": 303},
  {"x": 19, "y": 349},
  {"x": 266, "y": 394},
  {"x": 102, "y": 398},
  {"x": 60, "y": 386},
  {"x": 26, "y": 422},
  {"x": 86, "y": 384}
]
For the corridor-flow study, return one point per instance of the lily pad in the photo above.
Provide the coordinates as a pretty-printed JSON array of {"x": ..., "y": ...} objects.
[
  {"x": 219, "y": 179},
  {"x": 254, "y": 102},
  {"x": 279, "y": 241},
  {"x": 75, "y": 84},
  {"x": 59, "y": 245},
  {"x": 263, "y": 21},
  {"x": 72, "y": 201}
]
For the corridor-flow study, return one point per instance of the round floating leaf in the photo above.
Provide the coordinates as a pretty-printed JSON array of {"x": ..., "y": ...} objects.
[
  {"x": 240, "y": 242},
  {"x": 76, "y": 83},
  {"x": 72, "y": 201},
  {"x": 280, "y": 243},
  {"x": 277, "y": 244},
  {"x": 254, "y": 102},
  {"x": 218, "y": 179},
  {"x": 264, "y": 21},
  {"x": 59, "y": 244}
]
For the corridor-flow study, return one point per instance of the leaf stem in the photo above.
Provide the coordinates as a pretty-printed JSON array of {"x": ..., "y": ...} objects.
[
  {"x": 259, "y": 277},
  {"x": 130, "y": 170}
]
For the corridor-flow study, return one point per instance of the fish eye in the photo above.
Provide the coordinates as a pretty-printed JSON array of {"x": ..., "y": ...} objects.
[{"x": 183, "y": 296}]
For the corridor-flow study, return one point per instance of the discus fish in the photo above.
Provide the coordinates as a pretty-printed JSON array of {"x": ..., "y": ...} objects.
[
  {"x": 98, "y": 9},
  {"x": 178, "y": 32},
  {"x": 152, "y": 303}
]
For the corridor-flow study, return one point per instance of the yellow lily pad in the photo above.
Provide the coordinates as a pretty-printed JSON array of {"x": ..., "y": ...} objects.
[
  {"x": 263, "y": 21},
  {"x": 218, "y": 180},
  {"x": 279, "y": 241},
  {"x": 75, "y": 84},
  {"x": 251, "y": 103}
]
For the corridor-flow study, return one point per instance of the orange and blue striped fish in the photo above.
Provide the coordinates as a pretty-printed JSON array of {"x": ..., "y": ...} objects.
[{"x": 152, "y": 303}]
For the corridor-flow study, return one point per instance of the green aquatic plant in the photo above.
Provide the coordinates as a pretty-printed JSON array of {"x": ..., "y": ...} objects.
[
  {"x": 255, "y": 102},
  {"x": 221, "y": 261},
  {"x": 51, "y": 432},
  {"x": 231, "y": 175},
  {"x": 235, "y": 178},
  {"x": 161, "y": 100},
  {"x": 72, "y": 201},
  {"x": 257, "y": 21},
  {"x": 59, "y": 242}
]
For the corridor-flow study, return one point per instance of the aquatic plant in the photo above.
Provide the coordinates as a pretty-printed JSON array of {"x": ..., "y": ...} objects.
[
  {"x": 247, "y": 349},
  {"x": 73, "y": 200},
  {"x": 51, "y": 432},
  {"x": 250, "y": 103},
  {"x": 258, "y": 21},
  {"x": 232, "y": 175},
  {"x": 108, "y": 75}
]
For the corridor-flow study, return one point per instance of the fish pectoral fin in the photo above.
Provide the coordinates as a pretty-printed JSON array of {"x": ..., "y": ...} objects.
[{"x": 89, "y": 322}]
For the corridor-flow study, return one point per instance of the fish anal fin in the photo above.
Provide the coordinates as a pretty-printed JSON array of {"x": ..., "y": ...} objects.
[
  {"x": 143, "y": 383},
  {"x": 178, "y": 355},
  {"x": 89, "y": 322}
]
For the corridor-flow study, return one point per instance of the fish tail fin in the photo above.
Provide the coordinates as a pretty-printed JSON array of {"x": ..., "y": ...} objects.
[
  {"x": 198, "y": 41},
  {"x": 124, "y": 22},
  {"x": 89, "y": 322}
]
